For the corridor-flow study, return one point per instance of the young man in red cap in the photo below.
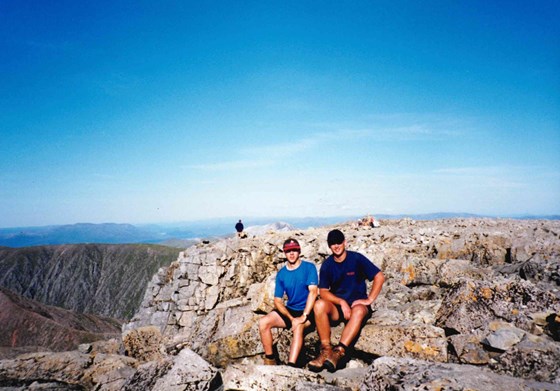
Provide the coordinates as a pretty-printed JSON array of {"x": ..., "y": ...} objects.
[
  {"x": 342, "y": 288},
  {"x": 298, "y": 281}
]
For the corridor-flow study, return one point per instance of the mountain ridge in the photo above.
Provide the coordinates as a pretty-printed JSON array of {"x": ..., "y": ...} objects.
[
  {"x": 180, "y": 233},
  {"x": 104, "y": 279},
  {"x": 27, "y": 323}
]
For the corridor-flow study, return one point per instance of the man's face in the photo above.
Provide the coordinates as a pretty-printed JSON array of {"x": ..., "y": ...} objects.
[
  {"x": 338, "y": 249},
  {"x": 292, "y": 256}
]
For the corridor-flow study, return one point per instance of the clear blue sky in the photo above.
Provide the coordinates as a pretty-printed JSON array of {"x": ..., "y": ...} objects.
[{"x": 157, "y": 111}]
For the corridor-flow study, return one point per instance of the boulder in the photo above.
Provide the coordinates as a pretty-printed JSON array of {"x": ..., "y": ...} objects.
[
  {"x": 388, "y": 373},
  {"x": 270, "y": 378},
  {"x": 406, "y": 339},
  {"x": 237, "y": 336},
  {"x": 470, "y": 306},
  {"x": 72, "y": 370},
  {"x": 144, "y": 343},
  {"x": 189, "y": 372}
]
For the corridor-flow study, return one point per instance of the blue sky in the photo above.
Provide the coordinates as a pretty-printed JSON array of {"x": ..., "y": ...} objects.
[{"x": 137, "y": 111}]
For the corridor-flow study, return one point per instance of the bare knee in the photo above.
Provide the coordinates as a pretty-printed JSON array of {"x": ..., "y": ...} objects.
[
  {"x": 359, "y": 311},
  {"x": 264, "y": 324},
  {"x": 298, "y": 330},
  {"x": 320, "y": 306}
]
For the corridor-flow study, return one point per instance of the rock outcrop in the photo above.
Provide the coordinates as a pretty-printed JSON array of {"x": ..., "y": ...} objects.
[{"x": 467, "y": 304}]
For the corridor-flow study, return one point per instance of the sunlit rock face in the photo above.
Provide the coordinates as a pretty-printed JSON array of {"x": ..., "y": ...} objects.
[{"x": 467, "y": 304}]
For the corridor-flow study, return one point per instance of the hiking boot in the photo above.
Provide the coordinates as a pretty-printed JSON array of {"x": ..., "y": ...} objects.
[
  {"x": 332, "y": 361},
  {"x": 269, "y": 361},
  {"x": 319, "y": 362}
]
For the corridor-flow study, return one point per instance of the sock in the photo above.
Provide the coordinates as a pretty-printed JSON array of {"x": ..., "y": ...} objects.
[
  {"x": 342, "y": 346},
  {"x": 270, "y": 356},
  {"x": 293, "y": 364}
]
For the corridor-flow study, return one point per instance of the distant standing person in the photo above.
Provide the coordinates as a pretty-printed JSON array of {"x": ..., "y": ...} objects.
[
  {"x": 342, "y": 288},
  {"x": 297, "y": 279},
  {"x": 239, "y": 228}
]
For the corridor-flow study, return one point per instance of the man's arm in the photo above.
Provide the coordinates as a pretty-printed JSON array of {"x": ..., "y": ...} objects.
[
  {"x": 313, "y": 293},
  {"x": 326, "y": 294},
  {"x": 311, "y": 297},
  {"x": 378, "y": 281},
  {"x": 281, "y": 307}
]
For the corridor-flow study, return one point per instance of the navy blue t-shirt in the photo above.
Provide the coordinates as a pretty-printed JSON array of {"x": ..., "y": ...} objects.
[{"x": 347, "y": 279}]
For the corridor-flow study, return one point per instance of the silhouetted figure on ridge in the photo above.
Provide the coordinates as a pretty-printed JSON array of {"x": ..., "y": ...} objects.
[{"x": 239, "y": 228}]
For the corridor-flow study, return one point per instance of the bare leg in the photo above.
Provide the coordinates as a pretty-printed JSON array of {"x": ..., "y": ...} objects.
[
  {"x": 297, "y": 342},
  {"x": 324, "y": 312},
  {"x": 352, "y": 328},
  {"x": 266, "y": 323}
]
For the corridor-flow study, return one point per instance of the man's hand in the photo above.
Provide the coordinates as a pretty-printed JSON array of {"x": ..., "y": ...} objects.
[
  {"x": 297, "y": 321},
  {"x": 365, "y": 302},
  {"x": 346, "y": 311}
]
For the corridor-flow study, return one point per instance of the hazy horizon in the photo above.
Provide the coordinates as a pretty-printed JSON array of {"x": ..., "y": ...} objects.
[
  {"x": 254, "y": 220},
  {"x": 146, "y": 112}
]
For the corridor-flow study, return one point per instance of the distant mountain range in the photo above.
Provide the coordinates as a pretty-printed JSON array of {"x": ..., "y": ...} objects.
[
  {"x": 76, "y": 233},
  {"x": 184, "y": 233}
]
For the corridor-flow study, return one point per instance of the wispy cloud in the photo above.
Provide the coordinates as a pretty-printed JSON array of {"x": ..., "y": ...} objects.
[
  {"x": 104, "y": 176},
  {"x": 404, "y": 126},
  {"x": 269, "y": 154},
  {"x": 231, "y": 165},
  {"x": 417, "y": 131},
  {"x": 510, "y": 170},
  {"x": 492, "y": 176},
  {"x": 472, "y": 171}
]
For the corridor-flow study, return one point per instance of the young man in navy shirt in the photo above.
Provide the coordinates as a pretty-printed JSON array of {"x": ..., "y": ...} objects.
[
  {"x": 343, "y": 298},
  {"x": 298, "y": 281}
]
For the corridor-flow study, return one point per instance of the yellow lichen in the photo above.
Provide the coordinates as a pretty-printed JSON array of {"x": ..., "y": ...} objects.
[
  {"x": 409, "y": 269},
  {"x": 415, "y": 347},
  {"x": 486, "y": 293}
]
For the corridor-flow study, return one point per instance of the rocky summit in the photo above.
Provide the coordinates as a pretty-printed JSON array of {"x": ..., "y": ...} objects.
[{"x": 468, "y": 304}]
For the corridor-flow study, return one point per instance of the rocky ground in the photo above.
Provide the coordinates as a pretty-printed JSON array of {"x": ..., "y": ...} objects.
[{"x": 469, "y": 304}]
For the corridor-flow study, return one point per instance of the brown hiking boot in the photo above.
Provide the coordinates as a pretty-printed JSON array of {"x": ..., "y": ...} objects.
[
  {"x": 332, "y": 361},
  {"x": 269, "y": 361},
  {"x": 319, "y": 362}
]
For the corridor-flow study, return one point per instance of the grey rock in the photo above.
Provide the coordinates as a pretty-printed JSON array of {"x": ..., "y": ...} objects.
[
  {"x": 471, "y": 305},
  {"x": 533, "y": 358},
  {"x": 469, "y": 349},
  {"x": 504, "y": 338},
  {"x": 189, "y": 372},
  {"x": 389, "y": 373},
  {"x": 270, "y": 378},
  {"x": 414, "y": 340},
  {"x": 68, "y": 369},
  {"x": 450, "y": 283}
]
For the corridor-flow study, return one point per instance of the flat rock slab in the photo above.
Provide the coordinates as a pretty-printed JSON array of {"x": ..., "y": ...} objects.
[
  {"x": 414, "y": 340},
  {"x": 389, "y": 373}
]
